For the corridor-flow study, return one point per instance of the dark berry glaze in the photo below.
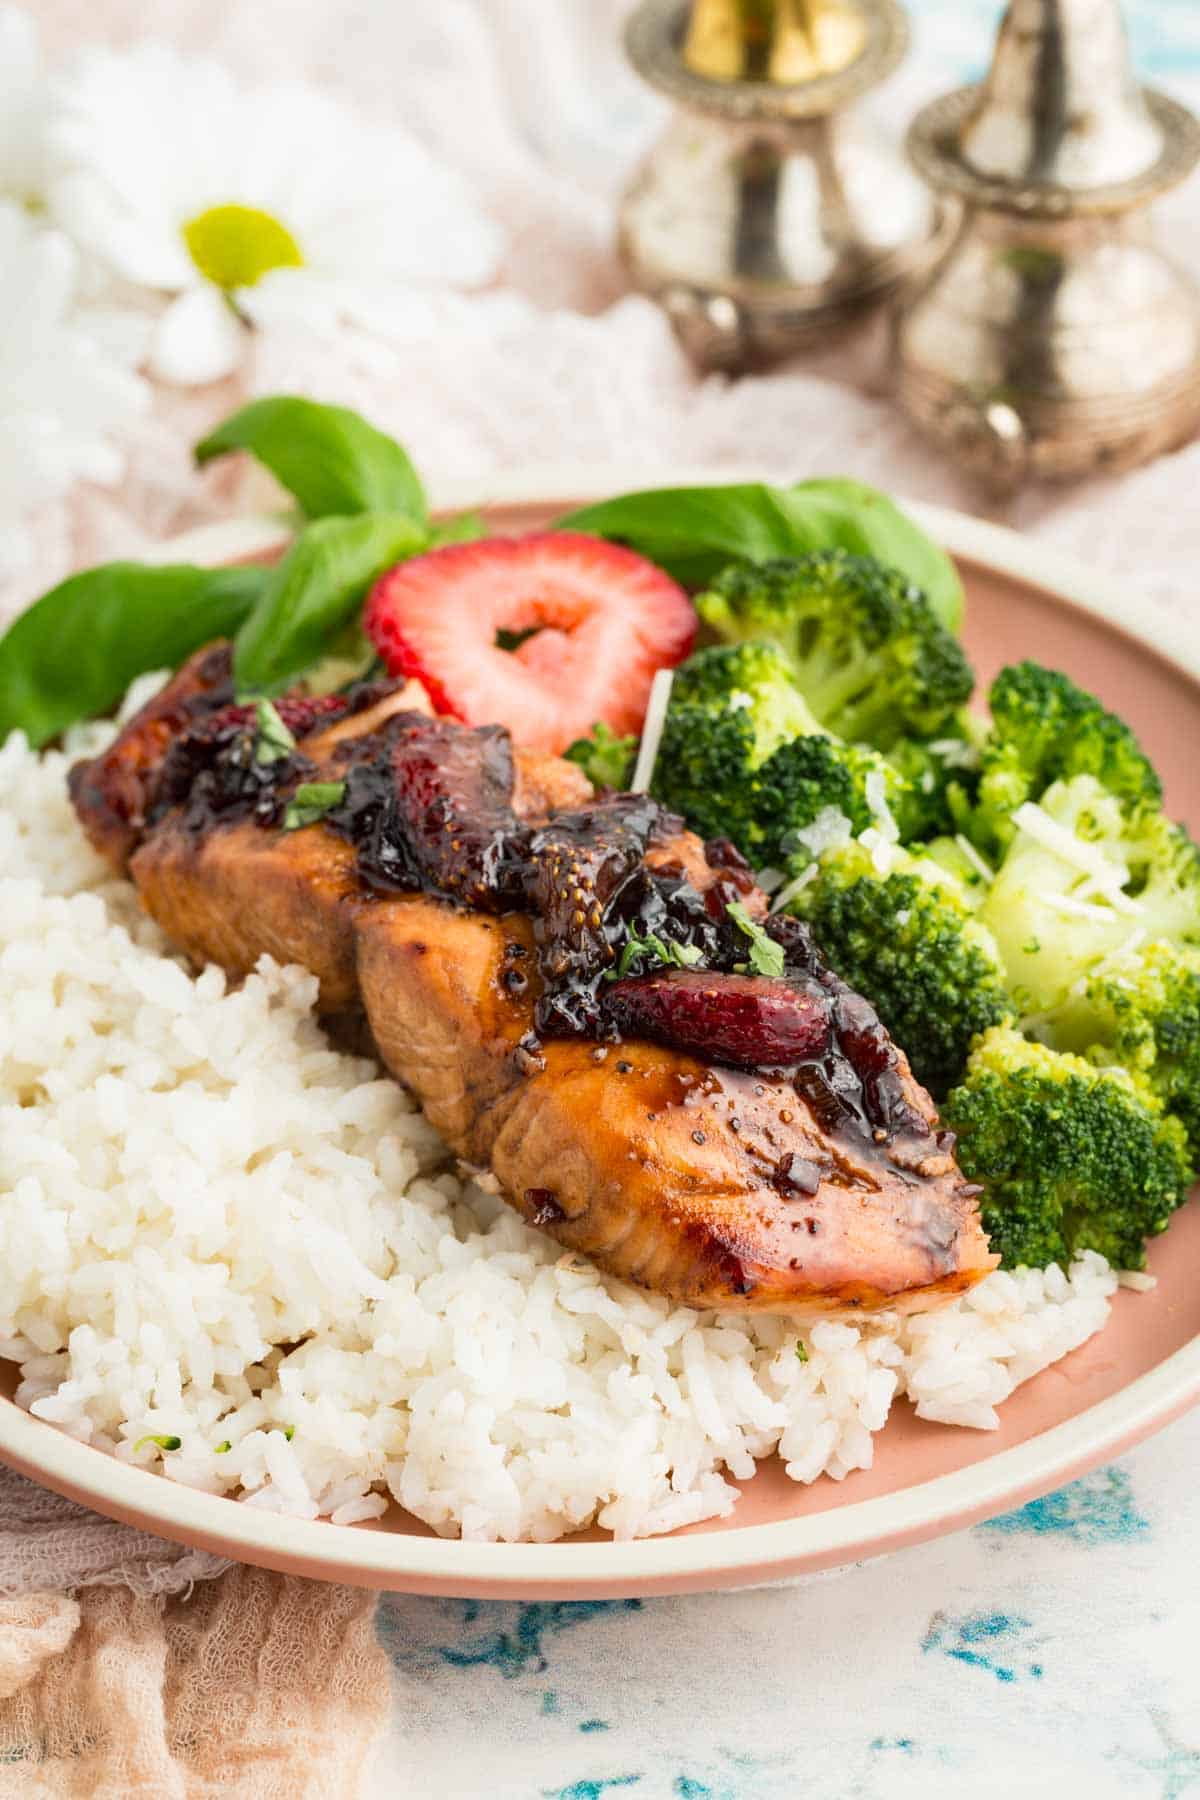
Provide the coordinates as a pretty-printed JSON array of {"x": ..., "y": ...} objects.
[{"x": 428, "y": 806}]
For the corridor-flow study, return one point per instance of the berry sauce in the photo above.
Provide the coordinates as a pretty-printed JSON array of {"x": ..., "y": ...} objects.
[{"x": 626, "y": 943}]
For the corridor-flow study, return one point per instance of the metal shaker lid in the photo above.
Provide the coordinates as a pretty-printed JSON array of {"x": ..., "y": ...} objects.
[
  {"x": 1060, "y": 124},
  {"x": 765, "y": 60}
]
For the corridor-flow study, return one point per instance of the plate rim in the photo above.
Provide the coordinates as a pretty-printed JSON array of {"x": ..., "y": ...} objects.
[{"x": 738, "y": 1555}]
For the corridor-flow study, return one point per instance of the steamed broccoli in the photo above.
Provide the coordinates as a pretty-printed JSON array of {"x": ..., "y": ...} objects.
[
  {"x": 1083, "y": 876},
  {"x": 1072, "y": 1157},
  {"x": 941, "y": 776},
  {"x": 741, "y": 756},
  {"x": 865, "y": 648},
  {"x": 907, "y": 938},
  {"x": 1046, "y": 729},
  {"x": 753, "y": 678},
  {"x": 1141, "y": 1010},
  {"x": 606, "y": 759}
]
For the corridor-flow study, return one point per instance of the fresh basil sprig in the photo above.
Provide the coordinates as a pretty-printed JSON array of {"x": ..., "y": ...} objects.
[
  {"x": 462, "y": 528},
  {"x": 74, "y": 652},
  {"x": 331, "y": 459},
  {"x": 314, "y": 592},
  {"x": 693, "y": 533}
]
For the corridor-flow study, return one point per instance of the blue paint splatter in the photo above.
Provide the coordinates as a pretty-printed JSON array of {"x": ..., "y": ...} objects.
[
  {"x": 516, "y": 1650},
  {"x": 749, "y": 1774},
  {"x": 549, "y": 1702},
  {"x": 593, "y": 1725},
  {"x": 1099, "y": 1509},
  {"x": 904, "y": 1745},
  {"x": 590, "y": 1790},
  {"x": 690, "y": 1787},
  {"x": 1178, "y": 1768},
  {"x": 982, "y": 1640},
  {"x": 511, "y": 1639}
]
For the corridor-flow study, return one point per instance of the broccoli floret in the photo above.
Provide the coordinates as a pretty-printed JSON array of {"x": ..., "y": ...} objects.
[
  {"x": 866, "y": 649},
  {"x": 941, "y": 776},
  {"x": 1142, "y": 1011},
  {"x": 1082, "y": 877},
  {"x": 816, "y": 775},
  {"x": 1071, "y": 1157},
  {"x": 1046, "y": 729},
  {"x": 704, "y": 770},
  {"x": 741, "y": 756},
  {"x": 605, "y": 758},
  {"x": 907, "y": 938},
  {"x": 754, "y": 678},
  {"x": 959, "y": 858}
]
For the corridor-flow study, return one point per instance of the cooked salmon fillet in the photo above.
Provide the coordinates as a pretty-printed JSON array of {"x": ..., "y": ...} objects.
[{"x": 660, "y": 1165}]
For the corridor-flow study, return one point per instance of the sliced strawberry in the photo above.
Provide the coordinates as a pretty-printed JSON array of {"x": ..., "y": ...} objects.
[
  {"x": 603, "y": 621},
  {"x": 740, "y": 1019}
]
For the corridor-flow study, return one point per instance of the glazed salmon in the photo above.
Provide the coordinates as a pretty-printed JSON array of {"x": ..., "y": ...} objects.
[
  {"x": 716, "y": 1185},
  {"x": 662, "y": 1169}
]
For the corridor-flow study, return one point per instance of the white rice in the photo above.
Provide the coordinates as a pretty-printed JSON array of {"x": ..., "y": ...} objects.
[{"x": 215, "y": 1228}]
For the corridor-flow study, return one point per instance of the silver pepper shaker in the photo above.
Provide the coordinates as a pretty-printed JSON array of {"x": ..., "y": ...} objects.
[
  {"x": 1054, "y": 338},
  {"x": 769, "y": 214}
]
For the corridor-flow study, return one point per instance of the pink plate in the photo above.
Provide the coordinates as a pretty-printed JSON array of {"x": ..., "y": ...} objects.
[{"x": 1141, "y": 1372}]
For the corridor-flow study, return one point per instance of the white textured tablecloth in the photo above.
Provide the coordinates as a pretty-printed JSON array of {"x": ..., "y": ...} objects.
[{"x": 1053, "y": 1652}]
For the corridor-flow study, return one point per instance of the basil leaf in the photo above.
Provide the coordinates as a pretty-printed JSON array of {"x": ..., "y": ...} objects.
[
  {"x": 849, "y": 515},
  {"x": 463, "y": 528},
  {"x": 693, "y": 533},
  {"x": 314, "y": 592},
  {"x": 74, "y": 652},
  {"x": 765, "y": 955},
  {"x": 327, "y": 456},
  {"x": 311, "y": 801}
]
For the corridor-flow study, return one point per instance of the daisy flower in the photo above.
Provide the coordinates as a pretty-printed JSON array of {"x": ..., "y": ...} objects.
[
  {"x": 24, "y": 108},
  {"x": 266, "y": 206},
  {"x": 63, "y": 389}
]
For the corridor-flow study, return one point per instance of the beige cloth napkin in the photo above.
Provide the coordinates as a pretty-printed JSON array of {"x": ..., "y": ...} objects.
[{"x": 130, "y": 1667}]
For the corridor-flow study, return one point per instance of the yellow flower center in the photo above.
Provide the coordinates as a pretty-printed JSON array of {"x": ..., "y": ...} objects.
[{"x": 235, "y": 246}]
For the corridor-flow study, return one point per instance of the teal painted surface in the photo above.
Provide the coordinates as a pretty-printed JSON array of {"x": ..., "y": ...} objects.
[{"x": 1098, "y": 1509}]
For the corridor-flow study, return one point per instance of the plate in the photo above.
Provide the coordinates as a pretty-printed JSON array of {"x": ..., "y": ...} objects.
[{"x": 1140, "y": 1373}]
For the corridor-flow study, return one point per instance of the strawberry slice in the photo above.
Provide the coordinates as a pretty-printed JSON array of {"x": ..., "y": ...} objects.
[
  {"x": 739, "y": 1019},
  {"x": 602, "y": 621}
]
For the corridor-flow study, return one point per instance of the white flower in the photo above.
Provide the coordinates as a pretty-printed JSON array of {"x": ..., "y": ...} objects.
[
  {"x": 273, "y": 205},
  {"x": 24, "y": 111},
  {"x": 63, "y": 389}
]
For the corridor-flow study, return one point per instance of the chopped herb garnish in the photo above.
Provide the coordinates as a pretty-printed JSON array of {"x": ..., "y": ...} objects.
[
  {"x": 311, "y": 801},
  {"x": 654, "y": 949},
  {"x": 273, "y": 740},
  {"x": 1032, "y": 948},
  {"x": 801, "y": 1351},
  {"x": 766, "y": 956},
  {"x": 289, "y": 1432},
  {"x": 164, "y": 1443},
  {"x": 222, "y": 1447}
]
